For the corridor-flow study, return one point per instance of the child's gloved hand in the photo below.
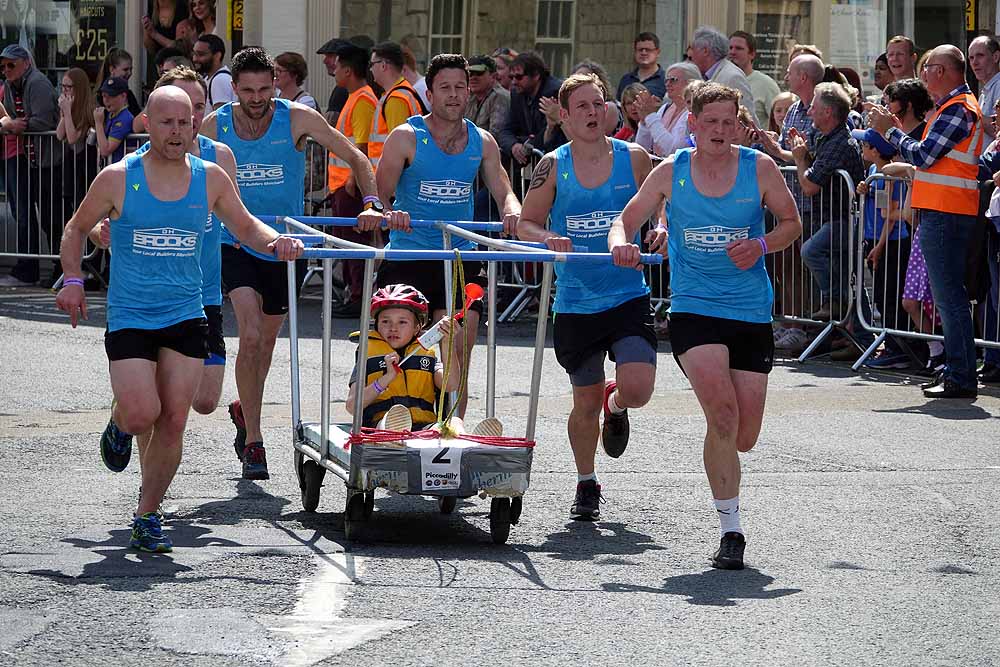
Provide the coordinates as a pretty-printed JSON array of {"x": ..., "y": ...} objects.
[{"x": 391, "y": 369}]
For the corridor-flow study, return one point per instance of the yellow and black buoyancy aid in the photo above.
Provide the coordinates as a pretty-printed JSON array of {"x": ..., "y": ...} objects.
[{"x": 413, "y": 388}]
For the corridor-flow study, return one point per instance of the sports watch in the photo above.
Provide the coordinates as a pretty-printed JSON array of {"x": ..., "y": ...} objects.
[{"x": 375, "y": 205}]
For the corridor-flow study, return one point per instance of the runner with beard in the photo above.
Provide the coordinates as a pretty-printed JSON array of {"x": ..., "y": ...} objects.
[{"x": 268, "y": 137}]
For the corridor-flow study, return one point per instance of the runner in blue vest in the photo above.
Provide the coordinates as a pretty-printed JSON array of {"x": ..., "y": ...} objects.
[
  {"x": 206, "y": 399},
  {"x": 156, "y": 340},
  {"x": 429, "y": 164},
  {"x": 268, "y": 137},
  {"x": 720, "y": 311},
  {"x": 582, "y": 187}
]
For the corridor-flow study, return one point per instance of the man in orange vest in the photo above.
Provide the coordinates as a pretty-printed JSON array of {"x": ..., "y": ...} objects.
[
  {"x": 399, "y": 101},
  {"x": 354, "y": 122},
  {"x": 946, "y": 198}
]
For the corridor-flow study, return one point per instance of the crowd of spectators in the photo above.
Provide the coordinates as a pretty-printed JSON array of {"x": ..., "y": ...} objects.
[{"x": 816, "y": 123}]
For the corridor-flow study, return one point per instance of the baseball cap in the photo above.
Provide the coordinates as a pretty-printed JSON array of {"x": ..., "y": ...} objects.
[
  {"x": 338, "y": 45},
  {"x": 114, "y": 86},
  {"x": 875, "y": 140},
  {"x": 15, "y": 52},
  {"x": 481, "y": 64}
]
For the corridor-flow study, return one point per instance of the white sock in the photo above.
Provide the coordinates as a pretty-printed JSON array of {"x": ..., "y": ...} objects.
[
  {"x": 935, "y": 347},
  {"x": 586, "y": 478},
  {"x": 613, "y": 404},
  {"x": 729, "y": 515}
]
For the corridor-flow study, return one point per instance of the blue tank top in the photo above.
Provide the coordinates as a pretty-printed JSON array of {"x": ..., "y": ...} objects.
[
  {"x": 211, "y": 245},
  {"x": 156, "y": 269},
  {"x": 703, "y": 280},
  {"x": 270, "y": 171},
  {"x": 585, "y": 215},
  {"x": 436, "y": 186}
]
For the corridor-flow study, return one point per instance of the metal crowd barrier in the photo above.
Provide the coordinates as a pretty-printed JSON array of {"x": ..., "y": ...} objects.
[
  {"x": 812, "y": 277},
  {"x": 879, "y": 293}
]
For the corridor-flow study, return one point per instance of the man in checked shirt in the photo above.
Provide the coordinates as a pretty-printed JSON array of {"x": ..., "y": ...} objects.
[{"x": 946, "y": 197}]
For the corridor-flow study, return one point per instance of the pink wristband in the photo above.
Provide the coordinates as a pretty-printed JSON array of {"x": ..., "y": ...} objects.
[{"x": 763, "y": 245}]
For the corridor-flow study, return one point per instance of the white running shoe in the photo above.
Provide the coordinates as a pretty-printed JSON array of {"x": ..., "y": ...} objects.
[{"x": 792, "y": 341}]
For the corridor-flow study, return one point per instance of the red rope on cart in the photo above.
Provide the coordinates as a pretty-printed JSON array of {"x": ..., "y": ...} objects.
[{"x": 373, "y": 436}]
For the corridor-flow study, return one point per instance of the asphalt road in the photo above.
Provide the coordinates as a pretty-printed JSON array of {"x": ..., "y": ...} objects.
[{"x": 871, "y": 516}]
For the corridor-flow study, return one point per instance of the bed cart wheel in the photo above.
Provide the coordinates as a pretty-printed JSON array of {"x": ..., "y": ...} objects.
[
  {"x": 500, "y": 520},
  {"x": 311, "y": 481},
  {"x": 354, "y": 516},
  {"x": 369, "y": 504},
  {"x": 515, "y": 510},
  {"x": 446, "y": 504}
]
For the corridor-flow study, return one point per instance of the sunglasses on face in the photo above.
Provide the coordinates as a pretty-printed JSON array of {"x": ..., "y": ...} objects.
[
  {"x": 518, "y": 76},
  {"x": 10, "y": 65},
  {"x": 673, "y": 79}
]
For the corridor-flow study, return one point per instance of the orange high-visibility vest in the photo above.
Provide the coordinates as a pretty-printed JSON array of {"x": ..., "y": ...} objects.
[
  {"x": 338, "y": 171},
  {"x": 380, "y": 127},
  {"x": 950, "y": 185}
]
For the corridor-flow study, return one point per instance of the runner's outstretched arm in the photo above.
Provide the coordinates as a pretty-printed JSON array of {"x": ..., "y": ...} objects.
[
  {"x": 495, "y": 177},
  {"x": 654, "y": 189},
  {"x": 778, "y": 199},
  {"x": 313, "y": 124},
  {"x": 538, "y": 205}
]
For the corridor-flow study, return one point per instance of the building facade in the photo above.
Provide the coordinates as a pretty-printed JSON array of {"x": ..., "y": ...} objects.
[{"x": 851, "y": 33}]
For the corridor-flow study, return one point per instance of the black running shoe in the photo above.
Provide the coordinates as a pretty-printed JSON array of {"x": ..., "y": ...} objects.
[
  {"x": 730, "y": 553},
  {"x": 587, "y": 505},
  {"x": 255, "y": 462},
  {"x": 614, "y": 432},
  {"x": 116, "y": 447},
  {"x": 236, "y": 416}
]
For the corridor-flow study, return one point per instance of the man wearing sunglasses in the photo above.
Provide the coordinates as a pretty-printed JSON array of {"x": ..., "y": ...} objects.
[{"x": 32, "y": 105}]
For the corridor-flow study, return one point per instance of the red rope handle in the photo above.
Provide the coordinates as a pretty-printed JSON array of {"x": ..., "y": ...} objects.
[{"x": 374, "y": 436}]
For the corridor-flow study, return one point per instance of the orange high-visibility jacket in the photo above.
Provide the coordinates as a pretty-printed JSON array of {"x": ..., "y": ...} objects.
[
  {"x": 380, "y": 127},
  {"x": 338, "y": 171},
  {"x": 950, "y": 185}
]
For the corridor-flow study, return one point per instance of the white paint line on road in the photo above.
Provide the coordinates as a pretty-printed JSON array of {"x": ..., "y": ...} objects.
[{"x": 316, "y": 626}]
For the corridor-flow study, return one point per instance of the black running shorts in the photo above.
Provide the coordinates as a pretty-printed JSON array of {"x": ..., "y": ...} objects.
[
  {"x": 582, "y": 340},
  {"x": 750, "y": 344},
  {"x": 428, "y": 277},
  {"x": 189, "y": 337},
  {"x": 269, "y": 279}
]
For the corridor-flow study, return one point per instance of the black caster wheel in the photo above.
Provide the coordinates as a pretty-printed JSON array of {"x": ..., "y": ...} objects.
[
  {"x": 446, "y": 504},
  {"x": 515, "y": 510},
  {"x": 354, "y": 516},
  {"x": 310, "y": 476},
  {"x": 500, "y": 520},
  {"x": 369, "y": 504}
]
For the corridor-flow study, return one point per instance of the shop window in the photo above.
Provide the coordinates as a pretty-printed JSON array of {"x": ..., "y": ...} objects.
[{"x": 776, "y": 25}]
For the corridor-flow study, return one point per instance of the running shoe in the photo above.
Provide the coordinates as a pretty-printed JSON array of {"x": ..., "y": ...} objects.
[
  {"x": 159, "y": 510},
  {"x": 792, "y": 341},
  {"x": 236, "y": 416},
  {"x": 147, "y": 534},
  {"x": 614, "y": 432},
  {"x": 888, "y": 359},
  {"x": 587, "y": 505},
  {"x": 730, "y": 553},
  {"x": 116, "y": 446},
  {"x": 255, "y": 461}
]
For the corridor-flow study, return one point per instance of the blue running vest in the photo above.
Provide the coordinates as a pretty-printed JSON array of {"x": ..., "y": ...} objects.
[
  {"x": 703, "y": 280},
  {"x": 156, "y": 269},
  {"x": 585, "y": 216},
  {"x": 436, "y": 186},
  {"x": 211, "y": 245},
  {"x": 270, "y": 171}
]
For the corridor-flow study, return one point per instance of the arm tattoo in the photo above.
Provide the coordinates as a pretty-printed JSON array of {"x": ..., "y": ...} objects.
[{"x": 541, "y": 173}]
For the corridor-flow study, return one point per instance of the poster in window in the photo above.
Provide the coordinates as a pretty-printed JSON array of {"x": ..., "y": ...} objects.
[{"x": 857, "y": 37}]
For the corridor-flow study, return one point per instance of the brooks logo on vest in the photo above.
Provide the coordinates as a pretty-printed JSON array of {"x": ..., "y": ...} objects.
[
  {"x": 163, "y": 242},
  {"x": 714, "y": 238},
  {"x": 446, "y": 190},
  {"x": 250, "y": 175},
  {"x": 596, "y": 223}
]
